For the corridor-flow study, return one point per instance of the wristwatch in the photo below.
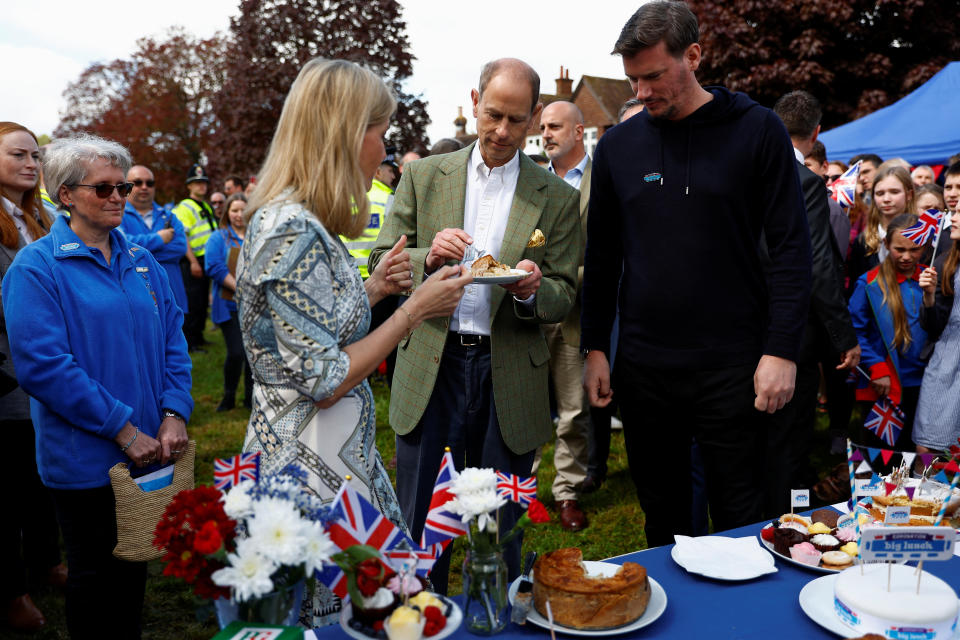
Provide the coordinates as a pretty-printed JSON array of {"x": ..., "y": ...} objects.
[{"x": 170, "y": 413}]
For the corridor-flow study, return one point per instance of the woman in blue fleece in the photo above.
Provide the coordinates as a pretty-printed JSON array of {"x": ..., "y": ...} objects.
[
  {"x": 223, "y": 249},
  {"x": 96, "y": 339}
]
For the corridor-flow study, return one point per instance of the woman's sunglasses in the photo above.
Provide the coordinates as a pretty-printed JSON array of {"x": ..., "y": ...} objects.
[{"x": 104, "y": 190}]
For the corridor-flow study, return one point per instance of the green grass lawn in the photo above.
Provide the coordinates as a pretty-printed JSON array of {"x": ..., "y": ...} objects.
[{"x": 170, "y": 611}]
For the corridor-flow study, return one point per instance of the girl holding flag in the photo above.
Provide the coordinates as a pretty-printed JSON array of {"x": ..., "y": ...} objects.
[
  {"x": 892, "y": 195},
  {"x": 937, "y": 423},
  {"x": 885, "y": 308}
]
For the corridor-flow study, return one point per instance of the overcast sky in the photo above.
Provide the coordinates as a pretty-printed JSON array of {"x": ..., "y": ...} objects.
[{"x": 46, "y": 44}]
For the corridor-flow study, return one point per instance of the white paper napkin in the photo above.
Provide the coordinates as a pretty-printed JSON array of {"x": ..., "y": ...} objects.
[{"x": 723, "y": 558}]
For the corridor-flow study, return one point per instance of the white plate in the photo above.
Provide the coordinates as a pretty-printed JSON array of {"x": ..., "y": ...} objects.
[
  {"x": 655, "y": 607},
  {"x": 818, "y": 569},
  {"x": 453, "y": 622},
  {"x": 816, "y": 600},
  {"x": 722, "y": 576},
  {"x": 514, "y": 276}
]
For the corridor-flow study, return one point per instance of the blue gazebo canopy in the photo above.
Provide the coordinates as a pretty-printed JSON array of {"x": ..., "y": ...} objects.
[{"x": 922, "y": 127}]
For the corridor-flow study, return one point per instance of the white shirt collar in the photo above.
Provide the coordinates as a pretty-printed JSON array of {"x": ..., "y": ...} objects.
[
  {"x": 798, "y": 155},
  {"x": 509, "y": 170}
]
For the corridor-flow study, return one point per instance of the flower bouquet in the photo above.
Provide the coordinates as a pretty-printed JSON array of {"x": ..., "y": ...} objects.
[
  {"x": 250, "y": 549},
  {"x": 478, "y": 502}
]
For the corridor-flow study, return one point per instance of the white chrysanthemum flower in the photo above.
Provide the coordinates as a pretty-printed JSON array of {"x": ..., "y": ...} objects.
[
  {"x": 478, "y": 504},
  {"x": 248, "y": 574},
  {"x": 318, "y": 548},
  {"x": 277, "y": 531},
  {"x": 472, "y": 480},
  {"x": 237, "y": 502}
]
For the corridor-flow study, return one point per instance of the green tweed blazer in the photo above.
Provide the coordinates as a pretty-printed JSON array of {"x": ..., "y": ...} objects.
[{"x": 430, "y": 198}]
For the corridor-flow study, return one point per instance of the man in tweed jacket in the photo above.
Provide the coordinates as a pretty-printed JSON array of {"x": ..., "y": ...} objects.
[{"x": 477, "y": 382}]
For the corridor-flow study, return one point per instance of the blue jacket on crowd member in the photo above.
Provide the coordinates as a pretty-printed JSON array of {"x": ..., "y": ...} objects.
[
  {"x": 95, "y": 346},
  {"x": 873, "y": 323},
  {"x": 218, "y": 248},
  {"x": 167, "y": 254}
]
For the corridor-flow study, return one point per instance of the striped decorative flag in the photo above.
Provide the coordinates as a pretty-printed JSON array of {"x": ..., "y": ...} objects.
[
  {"x": 425, "y": 558},
  {"x": 885, "y": 420},
  {"x": 356, "y": 521},
  {"x": 229, "y": 472},
  {"x": 925, "y": 229},
  {"x": 442, "y": 525},
  {"x": 515, "y": 488},
  {"x": 844, "y": 188}
]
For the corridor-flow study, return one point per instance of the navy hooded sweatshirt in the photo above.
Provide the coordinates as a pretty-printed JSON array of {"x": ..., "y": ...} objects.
[{"x": 681, "y": 207}]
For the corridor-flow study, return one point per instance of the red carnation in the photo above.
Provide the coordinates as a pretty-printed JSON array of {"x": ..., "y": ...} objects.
[
  {"x": 208, "y": 540},
  {"x": 537, "y": 512}
]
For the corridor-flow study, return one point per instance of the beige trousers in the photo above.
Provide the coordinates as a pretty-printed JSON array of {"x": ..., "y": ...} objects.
[{"x": 573, "y": 431}]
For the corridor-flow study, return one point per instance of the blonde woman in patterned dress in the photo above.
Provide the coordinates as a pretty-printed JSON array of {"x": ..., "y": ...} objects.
[{"x": 304, "y": 310}]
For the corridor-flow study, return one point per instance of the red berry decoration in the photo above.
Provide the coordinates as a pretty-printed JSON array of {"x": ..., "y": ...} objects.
[
  {"x": 767, "y": 534},
  {"x": 435, "y": 621}
]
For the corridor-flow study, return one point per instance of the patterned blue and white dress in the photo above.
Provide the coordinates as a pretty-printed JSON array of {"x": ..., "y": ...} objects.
[
  {"x": 301, "y": 300},
  {"x": 937, "y": 424}
]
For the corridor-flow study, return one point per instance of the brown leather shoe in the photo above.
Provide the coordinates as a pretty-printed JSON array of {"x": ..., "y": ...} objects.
[
  {"x": 571, "y": 517},
  {"x": 23, "y": 615},
  {"x": 57, "y": 576}
]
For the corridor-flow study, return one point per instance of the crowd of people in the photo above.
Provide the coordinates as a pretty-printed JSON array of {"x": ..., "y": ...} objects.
[{"x": 694, "y": 275}]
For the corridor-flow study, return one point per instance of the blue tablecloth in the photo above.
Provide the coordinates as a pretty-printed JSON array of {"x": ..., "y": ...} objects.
[{"x": 763, "y": 608}]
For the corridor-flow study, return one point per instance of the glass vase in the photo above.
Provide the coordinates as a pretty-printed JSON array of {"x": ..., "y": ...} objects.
[
  {"x": 280, "y": 607},
  {"x": 485, "y": 592}
]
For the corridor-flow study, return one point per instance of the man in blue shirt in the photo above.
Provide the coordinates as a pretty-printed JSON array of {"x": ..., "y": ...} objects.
[{"x": 155, "y": 229}]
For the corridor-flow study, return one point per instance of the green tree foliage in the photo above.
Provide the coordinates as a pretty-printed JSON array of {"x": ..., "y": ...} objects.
[
  {"x": 856, "y": 56},
  {"x": 158, "y": 103},
  {"x": 272, "y": 39}
]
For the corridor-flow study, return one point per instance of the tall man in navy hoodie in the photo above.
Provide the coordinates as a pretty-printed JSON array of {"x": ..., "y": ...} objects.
[{"x": 680, "y": 197}]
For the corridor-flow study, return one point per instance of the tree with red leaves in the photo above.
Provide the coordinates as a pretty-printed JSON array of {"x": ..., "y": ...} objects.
[
  {"x": 273, "y": 39},
  {"x": 158, "y": 104},
  {"x": 854, "y": 56}
]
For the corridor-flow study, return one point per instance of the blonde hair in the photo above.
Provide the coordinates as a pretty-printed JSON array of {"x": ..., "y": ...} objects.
[
  {"x": 316, "y": 147},
  {"x": 871, "y": 236},
  {"x": 891, "y": 288}
]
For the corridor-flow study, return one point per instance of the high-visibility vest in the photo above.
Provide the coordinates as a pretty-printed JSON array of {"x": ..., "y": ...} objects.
[
  {"x": 198, "y": 222},
  {"x": 380, "y": 197}
]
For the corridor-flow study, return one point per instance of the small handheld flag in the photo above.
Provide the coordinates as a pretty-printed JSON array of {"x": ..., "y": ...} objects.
[
  {"x": 844, "y": 188},
  {"x": 515, "y": 488},
  {"x": 442, "y": 525},
  {"x": 229, "y": 472},
  {"x": 925, "y": 229},
  {"x": 885, "y": 420}
]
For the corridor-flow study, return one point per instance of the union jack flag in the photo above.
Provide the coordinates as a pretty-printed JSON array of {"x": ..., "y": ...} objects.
[
  {"x": 229, "y": 472},
  {"x": 925, "y": 229},
  {"x": 515, "y": 488},
  {"x": 425, "y": 558},
  {"x": 356, "y": 521},
  {"x": 885, "y": 420},
  {"x": 442, "y": 525},
  {"x": 844, "y": 188}
]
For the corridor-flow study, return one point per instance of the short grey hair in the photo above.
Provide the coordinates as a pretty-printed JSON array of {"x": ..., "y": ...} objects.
[
  {"x": 68, "y": 161},
  {"x": 511, "y": 65}
]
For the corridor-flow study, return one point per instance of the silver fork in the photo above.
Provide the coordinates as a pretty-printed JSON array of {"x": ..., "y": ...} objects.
[{"x": 471, "y": 253}]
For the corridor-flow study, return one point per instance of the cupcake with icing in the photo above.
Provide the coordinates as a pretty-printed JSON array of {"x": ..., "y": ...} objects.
[
  {"x": 806, "y": 553},
  {"x": 825, "y": 542}
]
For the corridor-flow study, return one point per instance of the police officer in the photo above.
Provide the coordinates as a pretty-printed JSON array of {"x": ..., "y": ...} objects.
[
  {"x": 198, "y": 220},
  {"x": 381, "y": 198}
]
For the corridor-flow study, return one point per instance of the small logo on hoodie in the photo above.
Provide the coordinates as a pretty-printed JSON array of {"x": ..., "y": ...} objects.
[
  {"x": 70, "y": 246},
  {"x": 652, "y": 177}
]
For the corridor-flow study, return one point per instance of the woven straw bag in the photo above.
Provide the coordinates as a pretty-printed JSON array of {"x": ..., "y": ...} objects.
[{"x": 139, "y": 511}]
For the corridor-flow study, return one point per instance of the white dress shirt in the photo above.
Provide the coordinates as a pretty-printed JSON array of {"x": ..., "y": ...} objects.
[
  {"x": 487, "y": 203},
  {"x": 18, "y": 220},
  {"x": 574, "y": 176}
]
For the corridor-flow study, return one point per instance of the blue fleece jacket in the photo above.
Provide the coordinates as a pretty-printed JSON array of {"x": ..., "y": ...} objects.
[
  {"x": 679, "y": 207},
  {"x": 95, "y": 346},
  {"x": 215, "y": 264},
  {"x": 169, "y": 254}
]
